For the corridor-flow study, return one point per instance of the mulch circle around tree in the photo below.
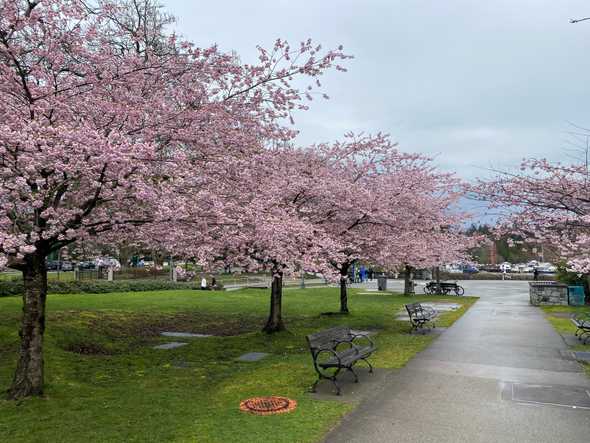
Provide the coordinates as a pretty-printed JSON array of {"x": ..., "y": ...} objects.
[{"x": 268, "y": 405}]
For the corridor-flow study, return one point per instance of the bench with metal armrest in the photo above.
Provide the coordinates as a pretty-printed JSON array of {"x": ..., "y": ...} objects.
[
  {"x": 336, "y": 349},
  {"x": 421, "y": 316},
  {"x": 582, "y": 322}
]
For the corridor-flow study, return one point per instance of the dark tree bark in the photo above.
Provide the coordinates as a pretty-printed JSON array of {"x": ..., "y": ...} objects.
[
  {"x": 409, "y": 280},
  {"x": 275, "y": 319},
  {"x": 28, "y": 378},
  {"x": 343, "y": 288},
  {"x": 437, "y": 277}
]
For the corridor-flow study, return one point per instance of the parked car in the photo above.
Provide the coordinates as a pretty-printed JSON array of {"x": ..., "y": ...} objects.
[
  {"x": 55, "y": 265},
  {"x": 453, "y": 269},
  {"x": 470, "y": 269},
  {"x": 505, "y": 267},
  {"x": 522, "y": 267},
  {"x": 107, "y": 262},
  {"x": 66, "y": 266},
  {"x": 86, "y": 265},
  {"x": 546, "y": 268}
]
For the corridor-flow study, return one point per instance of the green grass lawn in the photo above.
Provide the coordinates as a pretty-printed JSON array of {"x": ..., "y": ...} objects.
[
  {"x": 563, "y": 325},
  {"x": 105, "y": 382}
]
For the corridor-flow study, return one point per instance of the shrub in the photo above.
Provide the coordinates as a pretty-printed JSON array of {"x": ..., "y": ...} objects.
[
  {"x": 8, "y": 288},
  {"x": 572, "y": 278}
]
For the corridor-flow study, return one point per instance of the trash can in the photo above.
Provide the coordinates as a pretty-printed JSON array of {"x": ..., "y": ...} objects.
[
  {"x": 576, "y": 295},
  {"x": 382, "y": 283}
]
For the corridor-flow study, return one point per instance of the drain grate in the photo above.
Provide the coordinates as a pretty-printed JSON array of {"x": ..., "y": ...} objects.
[
  {"x": 567, "y": 396},
  {"x": 268, "y": 405}
]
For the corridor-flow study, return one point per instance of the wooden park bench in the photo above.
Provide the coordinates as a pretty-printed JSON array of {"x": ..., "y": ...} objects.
[
  {"x": 336, "y": 349},
  {"x": 582, "y": 322},
  {"x": 421, "y": 316}
]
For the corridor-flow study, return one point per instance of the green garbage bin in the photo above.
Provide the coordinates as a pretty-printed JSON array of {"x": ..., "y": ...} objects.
[{"x": 576, "y": 295}]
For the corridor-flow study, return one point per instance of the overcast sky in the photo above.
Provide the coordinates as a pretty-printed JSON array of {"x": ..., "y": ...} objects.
[{"x": 477, "y": 84}]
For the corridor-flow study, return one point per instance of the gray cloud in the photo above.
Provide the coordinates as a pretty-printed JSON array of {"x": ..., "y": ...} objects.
[{"x": 476, "y": 84}]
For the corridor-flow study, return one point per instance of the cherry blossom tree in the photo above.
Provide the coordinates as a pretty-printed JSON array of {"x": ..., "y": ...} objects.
[
  {"x": 262, "y": 224},
  {"x": 547, "y": 203},
  {"x": 107, "y": 121},
  {"x": 378, "y": 204},
  {"x": 422, "y": 249}
]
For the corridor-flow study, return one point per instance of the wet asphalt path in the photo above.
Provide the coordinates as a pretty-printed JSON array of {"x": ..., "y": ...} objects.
[{"x": 499, "y": 374}]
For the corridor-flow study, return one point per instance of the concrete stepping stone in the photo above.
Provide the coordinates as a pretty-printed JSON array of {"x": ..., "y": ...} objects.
[
  {"x": 171, "y": 345},
  {"x": 443, "y": 306},
  {"x": 582, "y": 356},
  {"x": 252, "y": 356},
  {"x": 439, "y": 307},
  {"x": 358, "y": 332},
  {"x": 571, "y": 340},
  {"x": 184, "y": 334}
]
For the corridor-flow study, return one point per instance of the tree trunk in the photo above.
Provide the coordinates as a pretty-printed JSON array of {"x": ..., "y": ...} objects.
[
  {"x": 437, "y": 278},
  {"x": 28, "y": 378},
  {"x": 343, "y": 289},
  {"x": 275, "y": 319},
  {"x": 409, "y": 280}
]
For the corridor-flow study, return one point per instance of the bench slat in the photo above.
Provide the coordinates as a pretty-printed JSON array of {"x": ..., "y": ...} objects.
[{"x": 326, "y": 338}]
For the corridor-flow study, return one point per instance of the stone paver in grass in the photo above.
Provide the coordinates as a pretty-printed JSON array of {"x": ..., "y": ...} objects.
[
  {"x": 359, "y": 332},
  {"x": 443, "y": 306},
  {"x": 184, "y": 334},
  {"x": 440, "y": 307},
  {"x": 252, "y": 356},
  {"x": 171, "y": 345},
  {"x": 582, "y": 356}
]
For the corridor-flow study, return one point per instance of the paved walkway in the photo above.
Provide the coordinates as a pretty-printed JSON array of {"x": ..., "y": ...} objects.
[{"x": 488, "y": 378}]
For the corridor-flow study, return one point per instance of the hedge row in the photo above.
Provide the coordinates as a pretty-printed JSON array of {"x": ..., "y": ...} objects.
[{"x": 8, "y": 288}]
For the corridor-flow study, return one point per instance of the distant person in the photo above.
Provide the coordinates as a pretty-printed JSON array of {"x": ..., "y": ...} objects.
[
  {"x": 536, "y": 274},
  {"x": 213, "y": 283},
  {"x": 371, "y": 274},
  {"x": 204, "y": 286}
]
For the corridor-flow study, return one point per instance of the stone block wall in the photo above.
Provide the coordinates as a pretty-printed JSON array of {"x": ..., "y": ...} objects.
[{"x": 547, "y": 293}]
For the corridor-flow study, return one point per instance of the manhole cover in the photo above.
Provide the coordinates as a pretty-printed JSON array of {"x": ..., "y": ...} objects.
[{"x": 268, "y": 405}]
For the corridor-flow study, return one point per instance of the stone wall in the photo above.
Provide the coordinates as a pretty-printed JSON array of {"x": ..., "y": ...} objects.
[{"x": 548, "y": 293}]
